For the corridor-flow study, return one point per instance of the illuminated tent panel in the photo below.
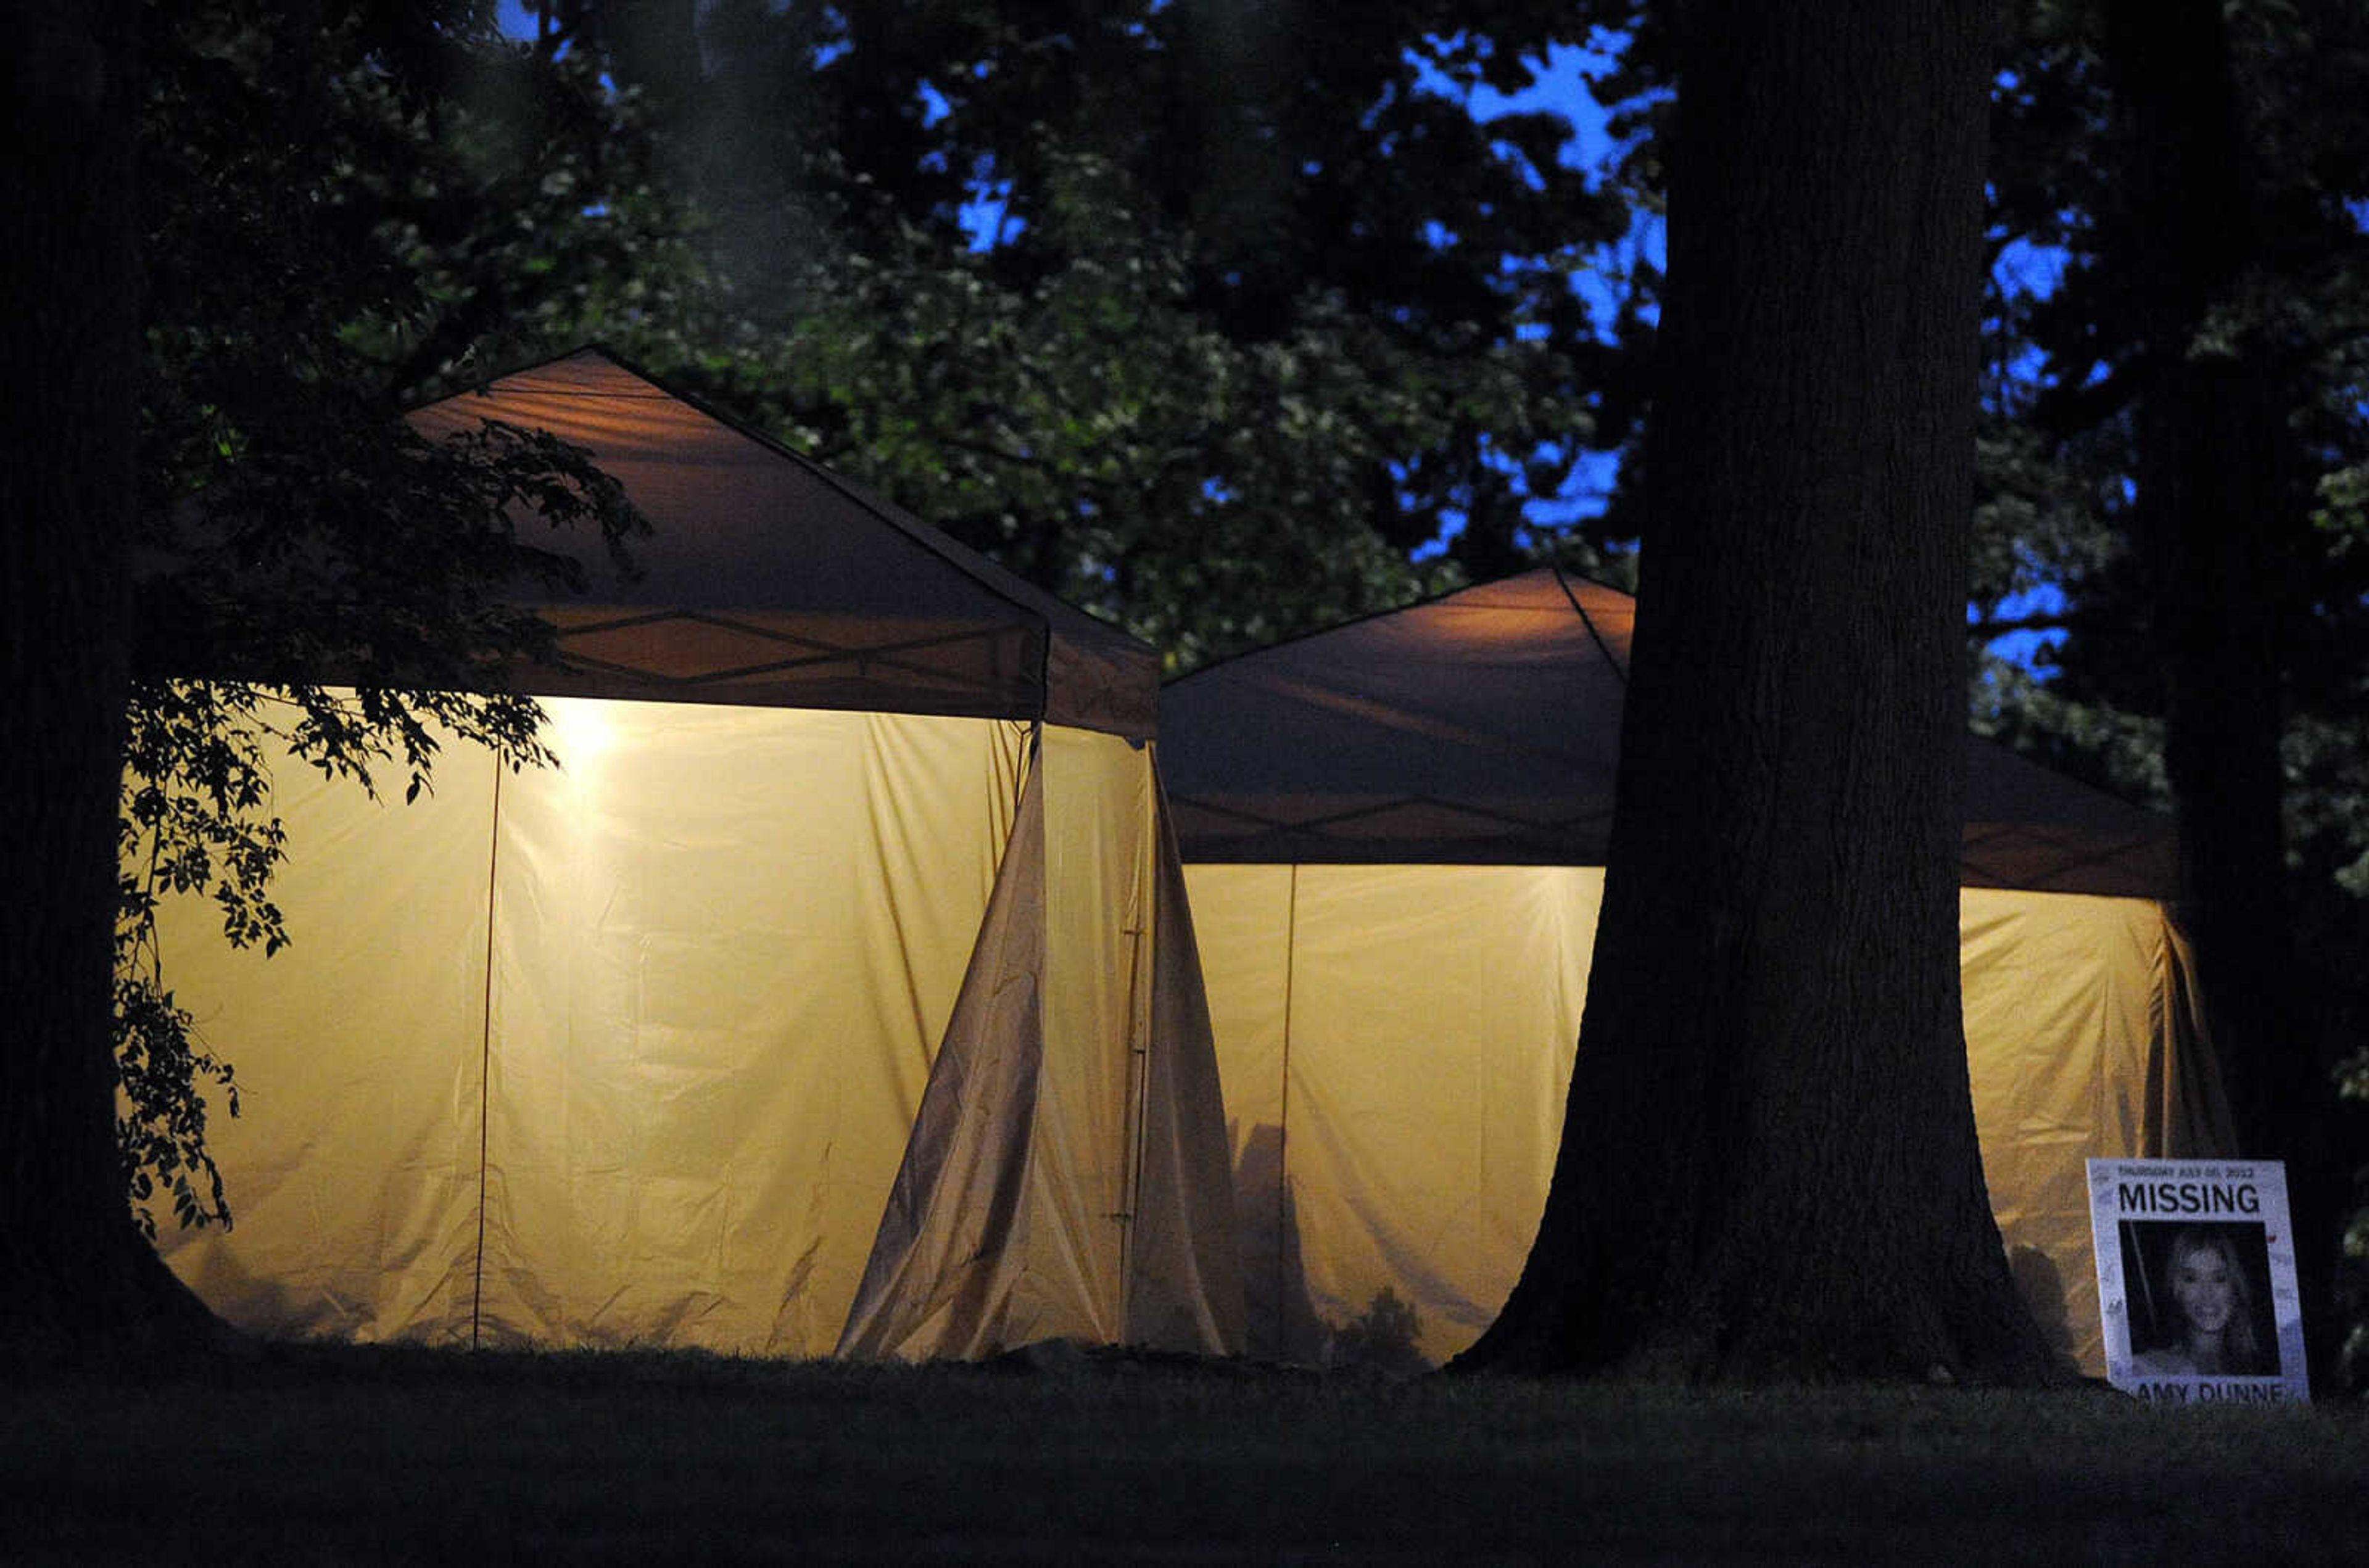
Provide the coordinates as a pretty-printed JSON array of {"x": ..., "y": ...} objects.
[
  {"x": 1396, "y": 1042},
  {"x": 353, "y": 1168},
  {"x": 1395, "y": 834},
  {"x": 635, "y": 1050}
]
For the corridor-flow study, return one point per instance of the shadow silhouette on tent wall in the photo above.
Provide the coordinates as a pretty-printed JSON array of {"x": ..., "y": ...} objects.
[
  {"x": 1280, "y": 1321},
  {"x": 1283, "y": 1324}
]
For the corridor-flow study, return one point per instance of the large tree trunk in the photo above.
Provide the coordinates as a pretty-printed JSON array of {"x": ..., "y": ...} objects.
[
  {"x": 79, "y": 1275},
  {"x": 2223, "y": 525},
  {"x": 1768, "y": 1165}
]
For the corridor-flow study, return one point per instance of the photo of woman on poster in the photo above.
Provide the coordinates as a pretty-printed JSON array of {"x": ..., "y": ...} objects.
[{"x": 2203, "y": 1308}]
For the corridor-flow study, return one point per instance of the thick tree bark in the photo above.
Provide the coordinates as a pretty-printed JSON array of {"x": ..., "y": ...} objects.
[
  {"x": 78, "y": 1272},
  {"x": 2223, "y": 525},
  {"x": 1768, "y": 1165}
]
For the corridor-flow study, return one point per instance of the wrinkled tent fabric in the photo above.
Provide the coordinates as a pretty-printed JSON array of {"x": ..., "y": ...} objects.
[
  {"x": 1185, "y": 1190},
  {"x": 628, "y": 1052},
  {"x": 972, "y": 1190},
  {"x": 1394, "y": 834},
  {"x": 970, "y": 1135}
]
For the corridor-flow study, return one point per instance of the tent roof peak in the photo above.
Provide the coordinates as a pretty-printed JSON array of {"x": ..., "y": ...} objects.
[
  {"x": 771, "y": 580},
  {"x": 1483, "y": 726}
]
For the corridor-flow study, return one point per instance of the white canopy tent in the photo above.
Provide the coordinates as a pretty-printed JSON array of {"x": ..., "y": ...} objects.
[
  {"x": 1394, "y": 835},
  {"x": 851, "y": 898}
]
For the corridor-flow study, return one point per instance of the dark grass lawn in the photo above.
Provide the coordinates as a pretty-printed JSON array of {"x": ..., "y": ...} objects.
[{"x": 367, "y": 1456}]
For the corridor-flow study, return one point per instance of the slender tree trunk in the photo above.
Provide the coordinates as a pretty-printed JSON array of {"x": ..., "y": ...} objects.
[
  {"x": 2223, "y": 525},
  {"x": 1768, "y": 1165},
  {"x": 77, "y": 1272}
]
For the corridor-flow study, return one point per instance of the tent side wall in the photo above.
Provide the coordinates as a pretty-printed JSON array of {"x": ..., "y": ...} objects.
[
  {"x": 1395, "y": 1043},
  {"x": 2085, "y": 1040},
  {"x": 353, "y": 1169},
  {"x": 725, "y": 944}
]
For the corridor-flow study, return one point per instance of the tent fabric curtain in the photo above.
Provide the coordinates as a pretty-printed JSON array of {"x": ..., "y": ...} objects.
[
  {"x": 354, "y": 1168},
  {"x": 1004, "y": 1225},
  {"x": 941, "y": 1277},
  {"x": 630, "y": 1052},
  {"x": 727, "y": 941},
  {"x": 1395, "y": 1042},
  {"x": 723, "y": 943},
  {"x": 1185, "y": 1280},
  {"x": 685, "y": 993}
]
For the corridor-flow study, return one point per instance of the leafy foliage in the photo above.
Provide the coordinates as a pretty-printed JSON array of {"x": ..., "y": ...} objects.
[
  {"x": 2221, "y": 265},
  {"x": 1260, "y": 309},
  {"x": 1098, "y": 435},
  {"x": 2291, "y": 316},
  {"x": 2353, "y": 1084}
]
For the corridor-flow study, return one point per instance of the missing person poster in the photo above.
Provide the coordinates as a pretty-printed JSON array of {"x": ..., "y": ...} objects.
[{"x": 2196, "y": 1280}]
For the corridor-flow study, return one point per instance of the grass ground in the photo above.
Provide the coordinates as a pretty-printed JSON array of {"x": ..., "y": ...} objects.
[{"x": 380, "y": 1456}]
